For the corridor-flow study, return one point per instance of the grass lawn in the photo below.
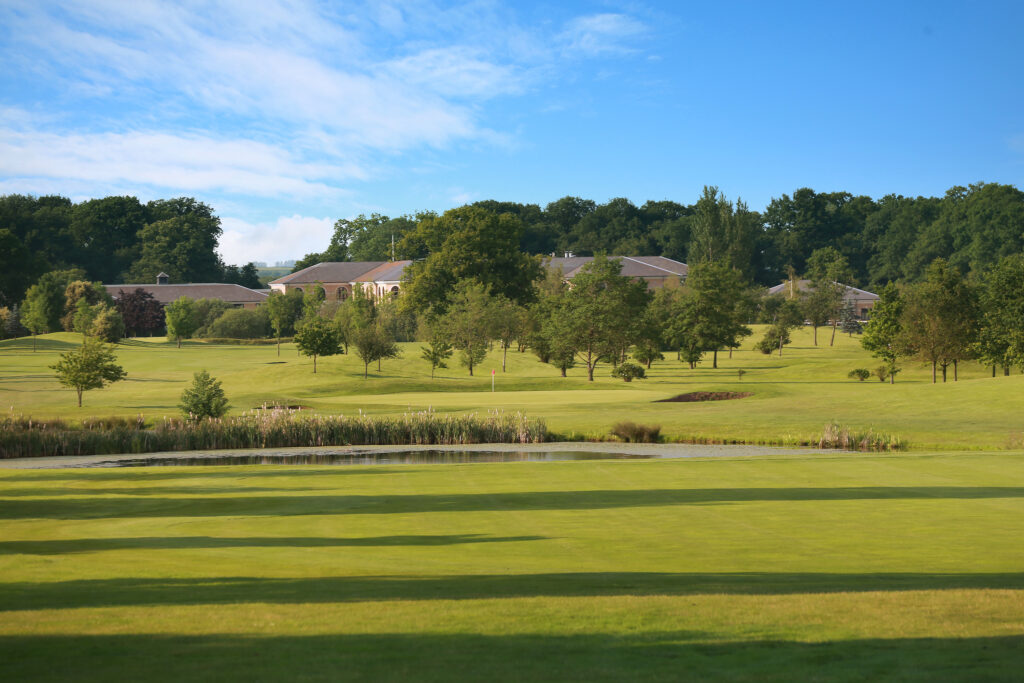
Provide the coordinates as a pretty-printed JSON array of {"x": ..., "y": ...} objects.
[
  {"x": 846, "y": 567},
  {"x": 793, "y": 396}
]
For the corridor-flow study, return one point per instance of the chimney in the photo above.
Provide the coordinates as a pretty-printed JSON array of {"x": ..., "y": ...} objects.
[{"x": 163, "y": 279}]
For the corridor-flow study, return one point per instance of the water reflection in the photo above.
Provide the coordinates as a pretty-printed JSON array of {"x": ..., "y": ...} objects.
[{"x": 365, "y": 458}]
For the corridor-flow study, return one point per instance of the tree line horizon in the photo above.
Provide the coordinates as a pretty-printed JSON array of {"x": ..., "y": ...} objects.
[{"x": 894, "y": 238}]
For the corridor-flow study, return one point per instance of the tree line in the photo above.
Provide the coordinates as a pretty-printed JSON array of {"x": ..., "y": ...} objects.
[
  {"x": 884, "y": 240},
  {"x": 111, "y": 240}
]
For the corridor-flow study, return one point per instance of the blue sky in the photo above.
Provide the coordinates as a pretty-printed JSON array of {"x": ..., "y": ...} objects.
[{"x": 285, "y": 115}]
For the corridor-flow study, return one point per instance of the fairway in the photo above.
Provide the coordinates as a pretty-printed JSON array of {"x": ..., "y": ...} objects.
[
  {"x": 793, "y": 396},
  {"x": 845, "y": 567}
]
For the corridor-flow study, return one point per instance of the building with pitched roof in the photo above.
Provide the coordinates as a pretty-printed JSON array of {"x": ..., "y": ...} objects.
[
  {"x": 656, "y": 271},
  {"x": 339, "y": 279},
  {"x": 380, "y": 279},
  {"x": 861, "y": 300},
  {"x": 165, "y": 292}
]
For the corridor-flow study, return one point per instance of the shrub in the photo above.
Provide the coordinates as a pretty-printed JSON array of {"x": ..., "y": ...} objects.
[
  {"x": 239, "y": 323},
  {"x": 771, "y": 341},
  {"x": 881, "y": 372},
  {"x": 108, "y": 325},
  {"x": 628, "y": 371},
  {"x": 636, "y": 433},
  {"x": 205, "y": 398},
  {"x": 859, "y": 374}
]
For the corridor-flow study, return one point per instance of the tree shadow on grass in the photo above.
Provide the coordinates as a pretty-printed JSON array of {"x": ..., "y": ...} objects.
[
  {"x": 653, "y": 655},
  {"x": 88, "y": 545},
  {"x": 131, "y": 475},
  {"x": 285, "y": 505},
  {"x": 19, "y": 596}
]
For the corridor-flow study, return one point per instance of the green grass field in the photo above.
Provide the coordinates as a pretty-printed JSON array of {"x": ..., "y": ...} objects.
[
  {"x": 838, "y": 568},
  {"x": 793, "y": 396}
]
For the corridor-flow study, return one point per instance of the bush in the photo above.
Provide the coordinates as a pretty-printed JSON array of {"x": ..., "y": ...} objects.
[
  {"x": 859, "y": 374},
  {"x": 239, "y": 323},
  {"x": 770, "y": 343},
  {"x": 634, "y": 433},
  {"x": 628, "y": 371},
  {"x": 205, "y": 398},
  {"x": 881, "y": 372},
  {"x": 108, "y": 325}
]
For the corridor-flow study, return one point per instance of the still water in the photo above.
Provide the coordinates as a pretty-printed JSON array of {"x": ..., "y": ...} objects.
[{"x": 430, "y": 457}]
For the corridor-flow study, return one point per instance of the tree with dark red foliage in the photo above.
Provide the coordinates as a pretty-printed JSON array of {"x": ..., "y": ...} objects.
[{"x": 141, "y": 312}]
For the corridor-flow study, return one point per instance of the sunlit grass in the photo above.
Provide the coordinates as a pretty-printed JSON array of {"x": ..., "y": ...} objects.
[
  {"x": 898, "y": 567},
  {"x": 794, "y": 396}
]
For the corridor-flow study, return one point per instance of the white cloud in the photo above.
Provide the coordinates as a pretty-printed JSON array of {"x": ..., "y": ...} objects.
[
  {"x": 289, "y": 237},
  {"x": 163, "y": 160},
  {"x": 601, "y": 34}
]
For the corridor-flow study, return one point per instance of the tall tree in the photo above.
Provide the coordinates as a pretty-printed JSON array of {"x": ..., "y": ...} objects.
[
  {"x": 884, "y": 330},
  {"x": 463, "y": 244},
  {"x": 283, "y": 310},
  {"x": 597, "y": 315},
  {"x": 939, "y": 322},
  {"x": 184, "y": 247},
  {"x": 1001, "y": 334},
  {"x": 469, "y": 322},
  {"x": 721, "y": 306}
]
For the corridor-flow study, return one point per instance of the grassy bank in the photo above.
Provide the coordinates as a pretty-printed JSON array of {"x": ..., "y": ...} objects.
[
  {"x": 897, "y": 567},
  {"x": 792, "y": 397}
]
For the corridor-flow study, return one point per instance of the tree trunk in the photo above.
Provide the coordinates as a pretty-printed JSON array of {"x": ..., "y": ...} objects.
[
  {"x": 366, "y": 367},
  {"x": 179, "y": 341},
  {"x": 378, "y": 365},
  {"x": 781, "y": 337},
  {"x": 79, "y": 397},
  {"x": 815, "y": 326},
  {"x": 835, "y": 324},
  {"x": 504, "y": 355},
  {"x": 590, "y": 372},
  {"x": 933, "y": 372},
  {"x": 892, "y": 378},
  {"x": 955, "y": 378},
  {"x": 944, "y": 366},
  {"x": 563, "y": 371},
  {"x": 730, "y": 353},
  {"x": 33, "y": 342},
  {"x": 279, "y": 347},
  {"x": 714, "y": 360},
  {"x": 1006, "y": 371},
  {"x": 314, "y": 364},
  {"x": 649, "y": 361},
  {"x": 993, "y": 371}
]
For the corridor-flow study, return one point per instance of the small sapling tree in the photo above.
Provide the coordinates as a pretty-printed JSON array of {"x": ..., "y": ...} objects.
[
  {"x": 436, "y": 354},
  {"x": 373, "y": 344},
  {"x": 317, "y": 337},
  {"x": 182, "y": 320},
  {"x": 203, "y": 398},
  {"x": 90, "y": 366}
]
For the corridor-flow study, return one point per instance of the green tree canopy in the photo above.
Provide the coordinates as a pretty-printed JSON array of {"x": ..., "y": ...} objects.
[
  {"x": 90, "y": 366},
  {"x": 467, "y": 243},
  {"x": 182, "y": 320}
]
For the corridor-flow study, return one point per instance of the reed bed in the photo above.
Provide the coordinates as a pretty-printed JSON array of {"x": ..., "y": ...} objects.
[{"x": 271, "y": 428}]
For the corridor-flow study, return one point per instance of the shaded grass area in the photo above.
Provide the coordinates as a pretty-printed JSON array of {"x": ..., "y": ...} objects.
[
  {"x": 792, "y": 397},
  {"x": 895, "y": 567},
  {"x": 664, "y": 656}
]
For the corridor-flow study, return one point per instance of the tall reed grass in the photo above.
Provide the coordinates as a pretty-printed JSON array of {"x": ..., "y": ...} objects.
[
  {"x": 271, "y": 428},
  {"x": 850, "y": 439}
]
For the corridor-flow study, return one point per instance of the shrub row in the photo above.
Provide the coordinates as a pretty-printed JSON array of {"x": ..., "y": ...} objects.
[{"x": 261, "y": 429}]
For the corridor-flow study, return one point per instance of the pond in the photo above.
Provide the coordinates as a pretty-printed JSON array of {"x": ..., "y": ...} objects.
[{"x": 412, "y": 455}]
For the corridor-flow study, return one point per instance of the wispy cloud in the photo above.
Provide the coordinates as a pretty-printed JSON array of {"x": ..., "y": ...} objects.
[
  {"x": 162, "y": 160},
  {"x": 601, "y": 34}
]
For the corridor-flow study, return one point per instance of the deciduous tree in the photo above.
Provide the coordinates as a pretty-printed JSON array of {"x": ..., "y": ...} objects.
[{"x": 89, "y": 366}]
